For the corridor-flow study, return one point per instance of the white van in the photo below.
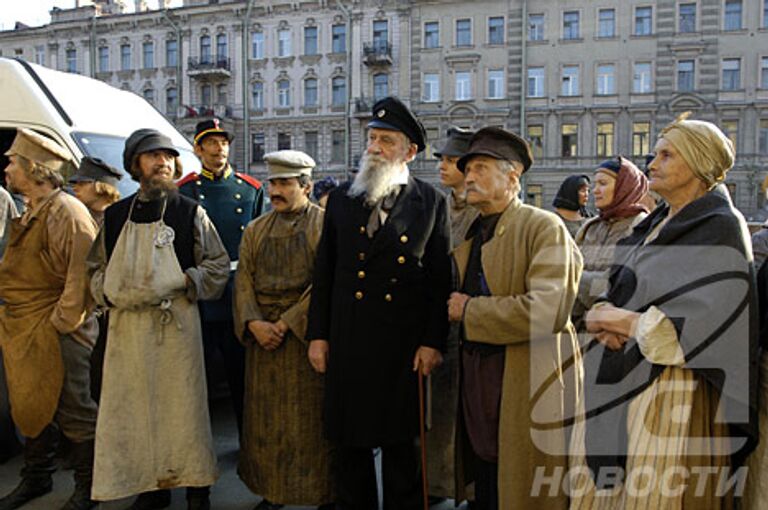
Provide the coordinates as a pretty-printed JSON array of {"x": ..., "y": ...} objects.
[{"x": 87, "y": 116}]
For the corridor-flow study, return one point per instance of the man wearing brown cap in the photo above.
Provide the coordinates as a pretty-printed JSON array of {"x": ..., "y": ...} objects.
[
  {"x": 46, "y": 331},
  {"x": 156, "y": 256},
  {"x": 95, "y": 185},
  {"x": 284, "y": 457},
  {"x": 518, "y": 275},
  {"x": 377, "y": 313}
]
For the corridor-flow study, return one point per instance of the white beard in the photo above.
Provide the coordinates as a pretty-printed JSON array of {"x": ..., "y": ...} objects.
[{"x": 374, "y": 180}]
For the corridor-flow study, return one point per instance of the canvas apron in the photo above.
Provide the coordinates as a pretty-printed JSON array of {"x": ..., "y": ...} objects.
[
  {"x": 31, "y": 351},
  {"x": 153, "y": 430}
]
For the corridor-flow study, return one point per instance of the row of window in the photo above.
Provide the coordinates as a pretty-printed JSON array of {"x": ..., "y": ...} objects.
[
  {"x": 642, "y": 77},
  {"x": 687, "y": 20},
  {"x": 463, "y": 36},
  {"x": 311, "y": 146}
]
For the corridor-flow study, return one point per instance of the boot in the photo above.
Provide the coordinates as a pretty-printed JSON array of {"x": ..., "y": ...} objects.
[
  {"x": 82, "y": 461},
  {"x": 198, "y": 498},
  {"x": 154, "y": 500},
  {"x": 39, "y": 465}
]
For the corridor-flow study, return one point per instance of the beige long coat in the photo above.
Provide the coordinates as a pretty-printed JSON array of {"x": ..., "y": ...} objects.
[{"x": 532, "y": 267}]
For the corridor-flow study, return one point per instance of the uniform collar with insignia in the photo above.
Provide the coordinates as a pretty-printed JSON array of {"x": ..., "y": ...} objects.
[{"x": 212, "y": 176}]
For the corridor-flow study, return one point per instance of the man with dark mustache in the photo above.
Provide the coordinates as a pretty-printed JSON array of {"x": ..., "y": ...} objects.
[
  {"x": 377, "y": 314},
  {"x": 157, "y": 254},
  {"x": 231, "y": 199}
]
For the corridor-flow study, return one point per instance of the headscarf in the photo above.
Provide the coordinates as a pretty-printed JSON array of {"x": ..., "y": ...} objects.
[
  {"x": 707, "y": 151},
  {"x": 631, "y": 186},
  {"x": 568, "y": 195}
]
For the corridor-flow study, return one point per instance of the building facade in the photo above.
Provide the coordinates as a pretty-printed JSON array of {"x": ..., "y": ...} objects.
[{"x": 583, "y": 81}]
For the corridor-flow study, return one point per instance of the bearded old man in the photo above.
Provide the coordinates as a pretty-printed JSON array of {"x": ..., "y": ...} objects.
[
  {"x": 155, "y": 257},
  {"x": 377, "y": 314}
]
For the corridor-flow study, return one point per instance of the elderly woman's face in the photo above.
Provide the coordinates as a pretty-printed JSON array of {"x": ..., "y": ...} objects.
[{"x": 669, "y": 173}]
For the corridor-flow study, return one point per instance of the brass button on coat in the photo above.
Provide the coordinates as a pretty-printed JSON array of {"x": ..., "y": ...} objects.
[
  {"x": 361, "y": 274},
  {"x": 238, "y": 196},
  {"x": 361, "y": 256},
  {"x": 359, "y": 295},
  {"x": 362, "y": 230},
  {"x": 401, "y": 260},
  {"x": 239, "y": 210},
  {"x": 403, "y": 239},
  {"x": 388, "y": 297},
  {"x": 202, "y": 197},
  {"x": 242, "y": 227}
]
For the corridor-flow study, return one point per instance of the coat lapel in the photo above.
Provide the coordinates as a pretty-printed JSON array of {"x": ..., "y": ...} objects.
[{"x": 409, "y": 205}]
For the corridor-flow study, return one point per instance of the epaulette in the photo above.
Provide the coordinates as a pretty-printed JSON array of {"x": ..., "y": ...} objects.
[
  {"x": 187, "y": 179},
  {"x": 250, "y": 180}
]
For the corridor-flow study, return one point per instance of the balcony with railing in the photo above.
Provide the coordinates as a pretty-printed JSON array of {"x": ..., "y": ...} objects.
[
  {"x": 220, "y": 111},
  {"x": 209, "y": 67},
  {"x": 377, "y": 53}
]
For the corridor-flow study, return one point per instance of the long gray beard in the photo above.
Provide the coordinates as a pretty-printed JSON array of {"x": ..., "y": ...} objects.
[{"x": 374, "y": 180}]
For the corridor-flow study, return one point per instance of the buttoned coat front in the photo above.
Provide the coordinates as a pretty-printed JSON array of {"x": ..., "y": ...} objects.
[
  {"x": 376, "y": 300},
  {"x": 532, "y": 267}
]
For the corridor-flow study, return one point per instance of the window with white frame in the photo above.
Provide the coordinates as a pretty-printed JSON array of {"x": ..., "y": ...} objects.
[
  {"x": 606, "y": 23},
  {"x": 257, "y": 96},
  {"x": 283, "y": 94},
  {"x": 535, "y": 27},
  {"x": 686, "y": 18},
  {"x": 339, "y": 91},
  {"x": 569, "y": 137},
  {"x": 496, "y": 84},
  {"x": 463, "y": 85},
  {"x": 310, "y": 92},
  {"x": 310, "y": 41},
  {"x": 535, "y": 82},
  {"x": 496, "y": 30},
  {"x": 339, "y": 38},
  {"x": 571, "y": 25},
  {"x": 643, "y": 20},
  {"x": 431, "y": 88},
  {"x": 431, "y": 34},
  {"x": 40, "y": 55},
  {"x": 641, "y": 78},
  {"x": 686, "y": 74},
  {"x": 731, "y": 73},
  {"x": 606, "y": 79},
  {"x": 463, "y": 32},
  {"x": 569, "y": 81},
  {"x": 641, "y": 138},
  {"x": 284, "y": 42},
  {"x": 257, "y": 45},
  {"x": 733, "y": 10},
  {"x": 604, "y": 139}
]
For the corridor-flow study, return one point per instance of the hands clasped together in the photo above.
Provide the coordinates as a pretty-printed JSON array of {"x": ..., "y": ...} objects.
[{"x": 611, "y": 326}]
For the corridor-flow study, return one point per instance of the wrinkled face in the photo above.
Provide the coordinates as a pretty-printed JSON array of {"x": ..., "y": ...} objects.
[
  {"x": 669, "y": 173},
  {"x": 602, "y": 188},
  {"x": 16, "y": 177},
  {"x": 485, "y": 182},
  {"x": 213, "y": 151},
  {"x": 85, "y": 191},
  {"x": 583, "y": 195},
  {"x": 157, "y": 165},
  {"x": 287, "y": 194},
  {"x": 392, "y": 146},
  {"x": 450, "y": 175}
]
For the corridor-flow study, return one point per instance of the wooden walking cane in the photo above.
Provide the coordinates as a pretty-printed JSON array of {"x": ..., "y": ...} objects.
[{"x": 422, "y": 441}]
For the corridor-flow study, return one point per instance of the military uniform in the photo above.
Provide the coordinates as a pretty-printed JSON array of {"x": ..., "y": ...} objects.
[{"x": 231, "y": 200}]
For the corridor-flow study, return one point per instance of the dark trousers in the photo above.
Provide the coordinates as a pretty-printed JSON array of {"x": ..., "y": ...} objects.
[
  {"x": 486, "y": 485},
  {"x": 401, "y": 477},
  {"x": 220, "y": 336}
]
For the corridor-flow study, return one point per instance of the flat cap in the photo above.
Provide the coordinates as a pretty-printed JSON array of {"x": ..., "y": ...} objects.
[
  {"x": 146, "y": 140},
  {"x": 288, "y": 163},
  {"x": 210, "y": 127},
  {"x": 499, "y": 144},
  {"x": 391, "y": 113},
  {"x": 95, "y": 169},
  {"x": 38, "y": 148},
  {"x": 457, "y": 143}
]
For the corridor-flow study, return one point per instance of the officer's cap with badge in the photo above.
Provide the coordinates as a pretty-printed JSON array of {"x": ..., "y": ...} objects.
[
  {"x": 457, "y": 144},
  {"x": 288, "y": 163},
  {"x": 211, "y": 127},
  {"x": 500, "y": 144},
  {"x": 39, "y": 149},
  {"x": 391, "y": 113},
  {"x": 96, "y": 170}
]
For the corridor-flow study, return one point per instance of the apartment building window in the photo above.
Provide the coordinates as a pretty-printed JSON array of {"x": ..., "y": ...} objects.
[
  {"x": 731, "y": 130},
  {"x": 604, "y": 139},
  {"x": 464, "y": 32},
  {"x": 171, "y": 103},
  {"x": 221, "y": 94},
  {"x": 171, "y": 53},
  {"x": 643, "y": 21},
  {"x": 732, "y": 15},
  {"x": 257, "y": 45},
  {"x": 257, "y": 96},
  {"x": 125, "y": 57},
  {"x": 339, "y": 91},
  {"x": 763, "y": 142},
  {"x": 205, "y": 95},
  {"x": 765, "y": 13},
  {"x": 534, "y": 194},
  {"x": 641, "y": 78},
  {"x": 570, "y": 81},
  {"x": 257, "y": 147},
  {"x": 686, "y": 70},
  {"x": 641, "y": 138},
  {"x": 535, "y": 27},
  {"x": 40, "y": 55},
  {"x": 221, "y": 47},
  {"x": 284, "y": 43},
  {"x": 310, "y": 92},
  {"x": 571, "y": 25},
  {"x": 764, "y": 72},
  {"x": 606, "y": 79},
  {"x": 311, "y": 144},
  {"x": 103, "y": 59},
  {"x": 337, "y": 146},
  {"x": 496, "y": 30},
  {"x": 205, "y": 49},
  {"x": 432, "y": 34},
  {"x": 463, "y": 85},
  {"x": 284, "y": 94},
  {"x": 339, "y": 38},
  {"x": 731, "y": 74},
  {"x": 606, "y": 23},
  {"x": 687, "y": 18},
  {"x": 496, "y": 84},
  {"x": 148, "y": 55},
  {"x": 310, "y": 40},
  {"x": 149, "y": 95},
  {"x": 431, "y": 88},
  {"x": 380, "y": 86},
  {"x": 536, "y": 139},
  {"x": 380, "y": 34},
  {"x": 283, "y": 141},
  {"x": 535, "y": 82},
  {"x": 569, "y": 134}
]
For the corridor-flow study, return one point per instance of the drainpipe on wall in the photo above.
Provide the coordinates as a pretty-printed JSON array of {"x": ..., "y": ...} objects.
[
  {"x": 246, "y": 97},
  {"x": 179, "y": 60},
  {"x": 523, "y": 88},
  {"x": 92, "y": 44},
  {"x": 347, "y": 110}
]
